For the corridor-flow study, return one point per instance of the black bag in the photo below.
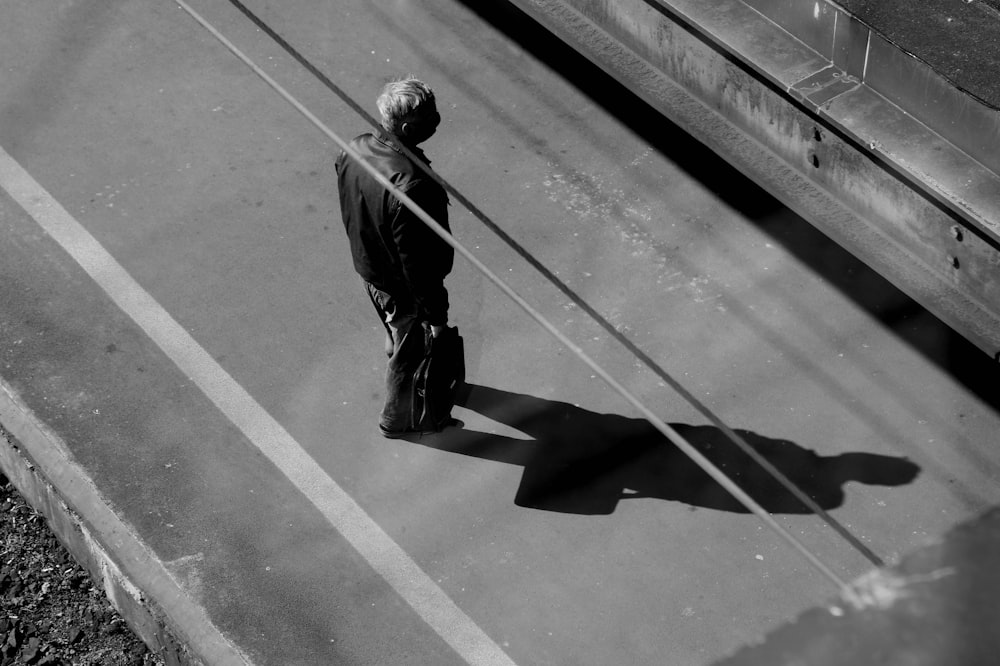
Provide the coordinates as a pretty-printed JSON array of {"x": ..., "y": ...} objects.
[{"x": 438, "y": 378}]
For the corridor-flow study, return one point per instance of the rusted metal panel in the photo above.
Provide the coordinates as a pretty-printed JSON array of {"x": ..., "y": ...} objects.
[{"x": 803, "y": 128}]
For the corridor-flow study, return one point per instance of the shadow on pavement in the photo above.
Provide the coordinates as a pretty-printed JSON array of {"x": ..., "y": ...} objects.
[
  {"x": 919, "y": 328},
  {"x": 583, "y": 462}
]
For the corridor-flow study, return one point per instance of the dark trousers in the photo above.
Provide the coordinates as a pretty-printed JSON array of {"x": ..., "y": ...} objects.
[{"x": 405, "y": 347}]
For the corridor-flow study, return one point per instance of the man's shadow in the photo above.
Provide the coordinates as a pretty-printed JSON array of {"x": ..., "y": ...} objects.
[{"x": 582, "y": 462}]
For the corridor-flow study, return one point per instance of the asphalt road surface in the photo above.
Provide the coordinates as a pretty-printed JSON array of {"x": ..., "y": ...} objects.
[{"x": 555, "y": 528}]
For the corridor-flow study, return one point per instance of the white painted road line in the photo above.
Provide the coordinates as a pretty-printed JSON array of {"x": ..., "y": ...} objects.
[{"x": 343, "y": 513}]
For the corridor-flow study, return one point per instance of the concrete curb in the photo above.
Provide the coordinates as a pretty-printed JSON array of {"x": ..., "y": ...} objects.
[{"x": 135, "y": 581}]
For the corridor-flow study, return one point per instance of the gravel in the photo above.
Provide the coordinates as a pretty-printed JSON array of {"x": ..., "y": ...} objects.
[{"x": 50, "y": 611}]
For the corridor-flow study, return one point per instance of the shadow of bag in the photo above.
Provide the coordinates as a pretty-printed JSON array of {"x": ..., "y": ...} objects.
[{"x": 437, "y": 379}]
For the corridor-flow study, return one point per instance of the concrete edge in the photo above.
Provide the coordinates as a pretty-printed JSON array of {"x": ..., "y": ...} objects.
[
  {"x": 939, "y": 172},
  {"x": 866, "y": 53},
  {"x": 794, "y": 149},
  {"x": 135, "y": 581}
]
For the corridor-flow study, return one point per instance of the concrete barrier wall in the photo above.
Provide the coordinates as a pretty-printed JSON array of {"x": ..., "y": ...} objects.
[
  {"x": 38, "y": 464},
  {"x": 865, "y": 171},
  {"x": 902, "y": 78},
  {"x": 74, "y": 535}
]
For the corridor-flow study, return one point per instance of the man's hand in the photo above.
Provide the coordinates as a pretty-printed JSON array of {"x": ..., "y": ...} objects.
[{"x": 436, "y": 330}]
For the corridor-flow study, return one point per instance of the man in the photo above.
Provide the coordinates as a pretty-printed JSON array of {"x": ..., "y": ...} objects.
[{"x": 401, "y": 261}]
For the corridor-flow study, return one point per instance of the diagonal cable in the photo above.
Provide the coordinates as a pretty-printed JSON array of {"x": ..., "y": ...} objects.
[
  {"x": 658, "y": 370},
  {"x": 720, "y": 477}
]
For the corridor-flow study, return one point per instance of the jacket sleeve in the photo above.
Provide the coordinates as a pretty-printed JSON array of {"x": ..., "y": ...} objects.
[{"x": 425, "y": 257}]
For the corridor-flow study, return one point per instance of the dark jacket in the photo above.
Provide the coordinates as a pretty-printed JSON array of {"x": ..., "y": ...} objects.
[{"x": 392, "y": 248}]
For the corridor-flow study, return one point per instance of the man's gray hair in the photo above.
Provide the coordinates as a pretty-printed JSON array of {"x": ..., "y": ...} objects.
[{"x": 399, "y": 99}]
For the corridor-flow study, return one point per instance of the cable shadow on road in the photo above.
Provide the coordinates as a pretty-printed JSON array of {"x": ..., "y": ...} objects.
[{"x": 582, "y": 462}]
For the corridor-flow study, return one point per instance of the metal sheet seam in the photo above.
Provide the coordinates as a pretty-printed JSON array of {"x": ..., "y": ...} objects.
[{"x": 868, "y": 50}]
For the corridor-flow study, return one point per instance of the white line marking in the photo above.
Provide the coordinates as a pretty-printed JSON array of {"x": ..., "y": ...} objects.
[{"x": 346, "y": 516}]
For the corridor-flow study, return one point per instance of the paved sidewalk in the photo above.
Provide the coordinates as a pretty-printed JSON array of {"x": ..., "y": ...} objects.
[{"x": 193, "y": 371}]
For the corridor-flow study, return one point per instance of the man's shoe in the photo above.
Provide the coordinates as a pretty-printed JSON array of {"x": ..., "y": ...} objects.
[
  {"x": 390, "y": 347},
  {"x": 450, "y": 423},
  {"x": 396, "y": 434},
  {"x": 400, "y": 434}
]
